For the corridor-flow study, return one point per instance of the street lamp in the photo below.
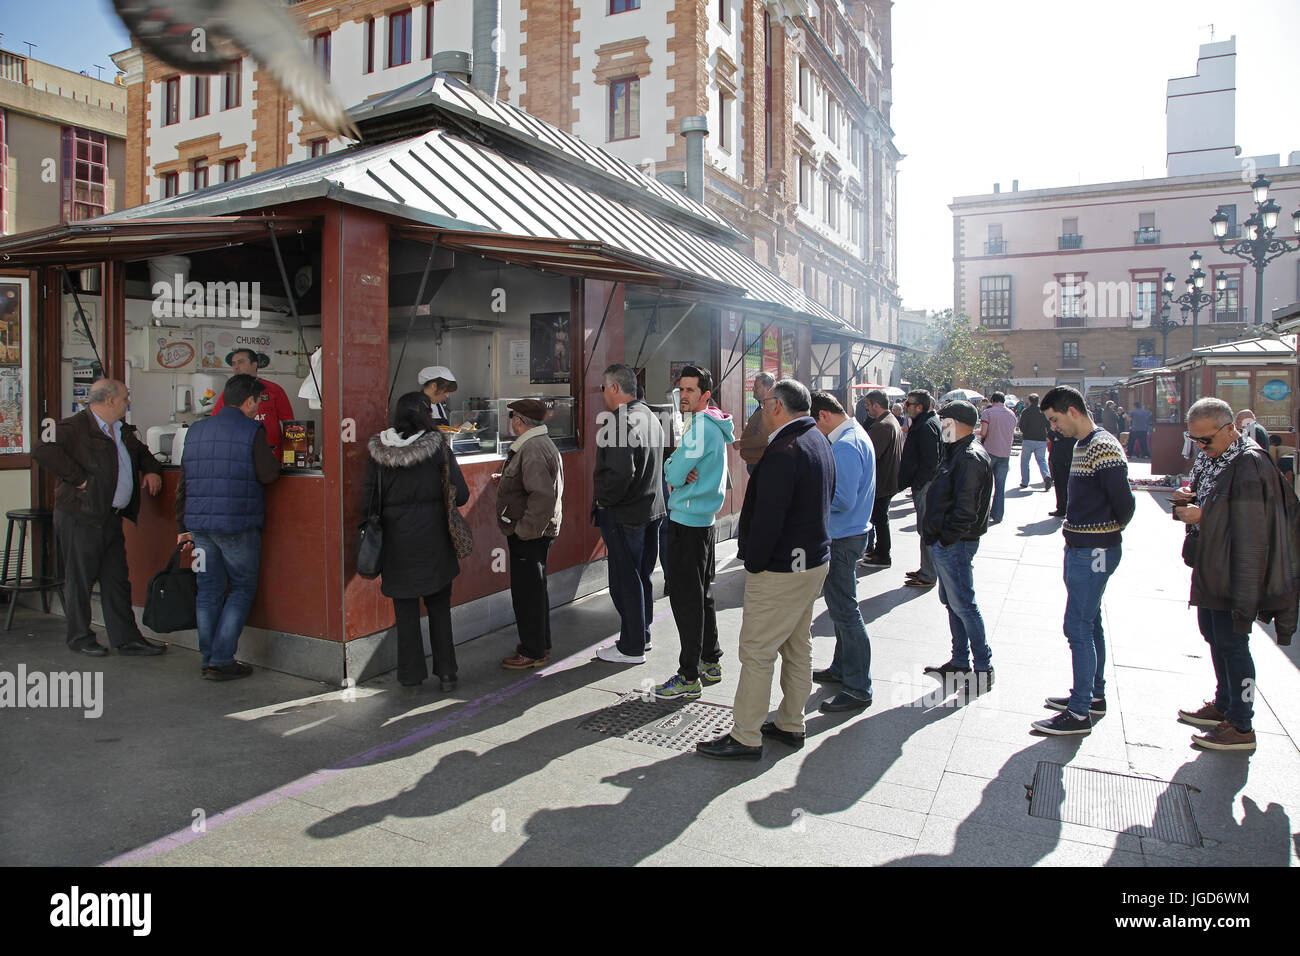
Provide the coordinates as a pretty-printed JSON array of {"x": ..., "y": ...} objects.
[
  {"x": 1260, "y": 246},
  {"x": 1166, "y": 323},
  {"x": 1035, "y": 370},
  {"x": 1193, "y": 299}
]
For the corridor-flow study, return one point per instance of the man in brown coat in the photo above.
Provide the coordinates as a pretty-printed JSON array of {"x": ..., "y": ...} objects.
[
  {"x": 530, "y": 494},
  {"x": 887, "y": 438},
  {"x": 753, "y": 440}
]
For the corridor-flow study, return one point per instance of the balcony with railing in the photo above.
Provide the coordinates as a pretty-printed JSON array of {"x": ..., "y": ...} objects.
[
  {"x": 1071, "y": 321},
  {"x": 1228, "y": 315},
  {"x": 995, "y": 247},
  {"x": 1071, "y": 240},
  {"x": 1146, "y": 237},
  {"x": 1071, "y": 363}
]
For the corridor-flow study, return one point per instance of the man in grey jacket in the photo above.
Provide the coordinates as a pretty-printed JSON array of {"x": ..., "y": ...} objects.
[{"x": 629, "y": 507}]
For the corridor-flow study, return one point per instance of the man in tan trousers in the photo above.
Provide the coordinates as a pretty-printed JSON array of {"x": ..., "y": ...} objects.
[{"x": 785, "y": 543}]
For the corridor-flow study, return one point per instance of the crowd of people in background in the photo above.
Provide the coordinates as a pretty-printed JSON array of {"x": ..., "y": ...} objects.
[{"x": 816, "y": 508}]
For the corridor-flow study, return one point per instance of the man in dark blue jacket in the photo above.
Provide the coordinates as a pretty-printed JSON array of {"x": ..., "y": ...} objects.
[
  {"x": 785, "y": 543},
  {"x": 220, "y": 504},
  {"x": 921, "y": 456}
]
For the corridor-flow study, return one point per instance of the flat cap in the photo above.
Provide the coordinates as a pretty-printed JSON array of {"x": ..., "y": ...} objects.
[
  {"x": 529, "y": 408},
  {"x": 961, "y": 410}
]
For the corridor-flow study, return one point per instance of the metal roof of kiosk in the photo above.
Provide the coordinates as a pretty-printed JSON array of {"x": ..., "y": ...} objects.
[{"x": 488, "y": 178}]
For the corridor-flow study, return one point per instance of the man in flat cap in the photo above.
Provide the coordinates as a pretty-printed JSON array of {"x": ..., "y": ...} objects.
[
  {"x": 437, "y": 383},
  {"x": 530, "y": 497},
  {"x": 956, "y": 516}
]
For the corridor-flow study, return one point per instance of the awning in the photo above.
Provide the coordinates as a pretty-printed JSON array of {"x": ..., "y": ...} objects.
[{"x": 96, "y": 240}]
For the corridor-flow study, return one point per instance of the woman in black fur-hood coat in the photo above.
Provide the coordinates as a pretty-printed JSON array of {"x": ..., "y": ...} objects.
[{"x": 418, "y": 559}]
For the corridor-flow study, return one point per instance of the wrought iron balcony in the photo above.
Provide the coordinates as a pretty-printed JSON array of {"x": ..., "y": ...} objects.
[
  {"x": 1071, "y": 240},
  {"x": 1146, "y": 237},
  {"x": 1071, "y": 362},
  {"x": 1228, "y": 315},
  {"x": 995, "y": 247}
]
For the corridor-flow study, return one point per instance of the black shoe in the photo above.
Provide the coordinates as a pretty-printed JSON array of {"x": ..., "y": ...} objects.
[
  {"x": 1096, "y": 709},
  {"x": 876, "y": 560},
  {"x": 1057, "y": 514},
  {"x": 447, "y": 683},
  {"x": 141, "y": 648},
  {"x": 727, "y": 747},
  {"x": 979, "y": 682},
  {"x": 920, "y": 583},
  {"x": 1023, "y": 487},
  {"x": 1047, "y": 484},
  {"x": 825, "y": 677},
  {"x": 90, "y": 650},
  {"x": 843, "y": 702},
  {"x": 1064, "y": 724},
  {"x": 232, "y": 671},
  {"x": 788, "y": 737},
  {"x": 943, "y": 670}
]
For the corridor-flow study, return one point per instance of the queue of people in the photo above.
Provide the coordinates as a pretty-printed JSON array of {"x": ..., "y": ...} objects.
[{"x": 818, "y": 495}]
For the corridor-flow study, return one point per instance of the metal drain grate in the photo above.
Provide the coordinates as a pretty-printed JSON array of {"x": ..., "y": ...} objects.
[
  {"x": 1114, "y": 801},
  {"x": 664, "y": 724}
]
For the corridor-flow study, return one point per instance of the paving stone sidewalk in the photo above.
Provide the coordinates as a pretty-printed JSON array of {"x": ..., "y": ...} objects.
[{"x": 277, "y": 770}]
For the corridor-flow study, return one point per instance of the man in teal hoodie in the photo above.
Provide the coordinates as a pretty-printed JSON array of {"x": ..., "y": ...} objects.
[{"x": 696, "y": 474}]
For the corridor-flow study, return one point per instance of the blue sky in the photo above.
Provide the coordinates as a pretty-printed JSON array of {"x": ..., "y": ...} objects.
[{"x": 46, "y": 23}]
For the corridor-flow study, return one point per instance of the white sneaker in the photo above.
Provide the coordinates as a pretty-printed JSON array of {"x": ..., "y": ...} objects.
[{"x": 611, "y": 653}]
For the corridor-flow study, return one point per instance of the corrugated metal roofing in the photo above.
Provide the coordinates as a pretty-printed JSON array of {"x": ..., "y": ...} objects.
[{"x": 448, "y": 181}]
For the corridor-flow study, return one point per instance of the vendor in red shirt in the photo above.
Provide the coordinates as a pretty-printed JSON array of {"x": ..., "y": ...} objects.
[{"x": 274, "y": 407}]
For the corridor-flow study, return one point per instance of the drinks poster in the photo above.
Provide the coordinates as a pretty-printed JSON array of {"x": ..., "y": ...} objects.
[
  {"x": 772, "y": 352},
  {"x": 12, "y": 373}
]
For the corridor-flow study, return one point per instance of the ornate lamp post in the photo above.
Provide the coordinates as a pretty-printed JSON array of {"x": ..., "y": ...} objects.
[
  {"x": 1193, "y": 300},
  {"x": 1259, "y": 247}
]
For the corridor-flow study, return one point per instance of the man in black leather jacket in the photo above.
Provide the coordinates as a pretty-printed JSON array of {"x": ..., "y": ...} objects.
[
  {"x": 956, "y": 516},
  {"x": 922, "y": 452}
]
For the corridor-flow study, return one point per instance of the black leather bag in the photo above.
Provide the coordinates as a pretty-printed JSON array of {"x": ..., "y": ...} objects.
[
  {"x": 173, "y": 593},
  {"x": 370, "y": 537}
]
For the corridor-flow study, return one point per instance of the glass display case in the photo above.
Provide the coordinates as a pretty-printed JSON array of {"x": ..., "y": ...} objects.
[
  {"x": 476, "y": 423},
  {"x": 559, "y": 423}
]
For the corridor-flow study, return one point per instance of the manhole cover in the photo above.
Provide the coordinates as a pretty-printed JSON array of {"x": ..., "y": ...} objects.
[
  {"x": 1114, "y": 801},
  {"x": 664, "y": 724}
]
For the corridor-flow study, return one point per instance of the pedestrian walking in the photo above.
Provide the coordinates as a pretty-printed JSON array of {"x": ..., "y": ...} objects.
[
  {"x": 1033, "y": 442},
  {"x": 100, "y": 464},
  {"x": 887, "y": 438},
  {"x": 530, "y": 510},
  {"x": 922, "y": 452},
  {"x": 1100, "y": 506},
  {"x": 753, "y": 440},
  {"x": 785, "y": 544},
  {"x": 850, "y": 519},
  {"x": 405, "y": 487},
  {"x": 629, "y": 507},
  {"x": 1060, "y": 455},
  {"x": 1139, "y": 430},
  {"x": 997, "y": 434},
  {"x": 956, "y": 517},
  {"x": 697, "y": 480},
  {"x": 1242, "y": 543},
  {"x": 220, "y": 510}
]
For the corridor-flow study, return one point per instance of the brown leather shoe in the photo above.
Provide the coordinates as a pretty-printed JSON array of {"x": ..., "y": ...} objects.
[
  {"x": 1207, "y": 715},
  {"x": 1225, "y": 737},
  {"x": 521, "y": 663}
]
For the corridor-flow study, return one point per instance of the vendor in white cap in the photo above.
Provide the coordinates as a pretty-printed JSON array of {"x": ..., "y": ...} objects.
[{"x": 437, "y": 383}]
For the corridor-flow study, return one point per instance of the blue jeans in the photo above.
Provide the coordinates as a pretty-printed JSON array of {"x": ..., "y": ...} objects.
[
  {"x": 228, "y": 559},
  {"x": 1033, "y": 449},
  {"x": 957, "y": 594},
  {"x": 1086, "y": 572},
  {"x": 852, "y": 661},
  {"x": 1234, "y": 668},
  {"x": 633, "y": 551},
  {"x": 1000, "y": 466}
]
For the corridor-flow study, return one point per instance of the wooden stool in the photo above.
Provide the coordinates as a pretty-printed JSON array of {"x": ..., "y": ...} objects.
[{"x": 41, "y": 581}]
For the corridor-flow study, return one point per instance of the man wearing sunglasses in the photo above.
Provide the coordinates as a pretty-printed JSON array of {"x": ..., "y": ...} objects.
[{"x": 1242, "y": 545}]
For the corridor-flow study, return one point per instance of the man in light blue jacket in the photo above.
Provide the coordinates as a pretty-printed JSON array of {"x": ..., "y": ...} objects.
[
  {"x": 855, "y": 495},
  {"x": 696, "y": 474}
]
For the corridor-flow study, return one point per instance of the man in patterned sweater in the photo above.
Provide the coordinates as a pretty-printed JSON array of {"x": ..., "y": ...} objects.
[{"x": 1099, "y": 505}]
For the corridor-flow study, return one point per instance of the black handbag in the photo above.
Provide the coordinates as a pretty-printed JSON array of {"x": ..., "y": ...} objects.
[
  {"x": 370, "y": 537},
  {"x": 173, "y": 593}
]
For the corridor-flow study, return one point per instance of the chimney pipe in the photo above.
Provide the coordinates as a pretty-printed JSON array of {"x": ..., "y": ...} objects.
[
  {"x": 452, "y": 62},
  {"x": 997, "y": 187},
  {"x": 1015, "y": 185},
  {"x": 695, "y": 128},
  {"x": 487, "y": 46}
]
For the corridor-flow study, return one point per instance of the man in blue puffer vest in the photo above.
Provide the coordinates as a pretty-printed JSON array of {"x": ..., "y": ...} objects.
[
  {"x": 220, "y": 504},
  {"x": 697, "y": 480}
]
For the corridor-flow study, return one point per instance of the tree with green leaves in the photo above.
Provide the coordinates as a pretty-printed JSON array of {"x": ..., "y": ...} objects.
[{"x": 955, "y": 355}]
